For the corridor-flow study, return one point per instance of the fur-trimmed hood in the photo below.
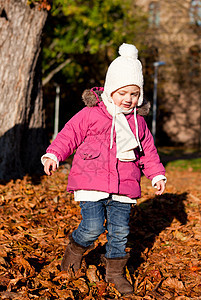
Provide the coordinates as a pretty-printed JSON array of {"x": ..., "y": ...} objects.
[{"x": 93, "y": 96}]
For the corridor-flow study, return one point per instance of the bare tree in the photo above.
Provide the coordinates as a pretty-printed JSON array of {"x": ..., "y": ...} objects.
[{"x": 21, "y": 103}]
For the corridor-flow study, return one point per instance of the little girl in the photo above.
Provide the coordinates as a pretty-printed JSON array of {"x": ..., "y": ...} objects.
[{"x": 113, "y": 145}]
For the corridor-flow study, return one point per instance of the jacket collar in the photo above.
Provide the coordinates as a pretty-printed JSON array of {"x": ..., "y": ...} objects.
[{"x": 93, "y": 98}]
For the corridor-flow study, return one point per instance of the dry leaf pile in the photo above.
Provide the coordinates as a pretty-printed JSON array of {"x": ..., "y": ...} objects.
[{"x": 37, "y": 214}]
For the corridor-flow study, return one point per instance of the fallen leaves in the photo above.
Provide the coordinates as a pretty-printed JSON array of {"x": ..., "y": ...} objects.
[
  {"x": 173, "y": 284},
  {"x": 36, "y": 217}
]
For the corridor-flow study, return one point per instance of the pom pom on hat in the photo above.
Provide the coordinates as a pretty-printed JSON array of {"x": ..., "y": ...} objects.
[
  {"x": 125, "y": 70},
  {"x": 129, "y": 51}
]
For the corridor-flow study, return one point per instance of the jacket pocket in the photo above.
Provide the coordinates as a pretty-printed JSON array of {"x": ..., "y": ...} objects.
[
  {"x": 87, "y": 154},
  {"x": 90, "y": 156}
]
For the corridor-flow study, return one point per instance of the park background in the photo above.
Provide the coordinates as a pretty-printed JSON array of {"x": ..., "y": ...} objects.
[
  {"x": 51, "y": 49},
  {"x": 68, "y": 45}
]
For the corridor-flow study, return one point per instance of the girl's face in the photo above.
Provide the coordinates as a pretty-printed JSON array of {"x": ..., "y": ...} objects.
[{"x": 126, "y": 97}]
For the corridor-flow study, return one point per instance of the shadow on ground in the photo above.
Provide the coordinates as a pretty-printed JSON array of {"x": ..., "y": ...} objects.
[{"x": 150, "y": 218}]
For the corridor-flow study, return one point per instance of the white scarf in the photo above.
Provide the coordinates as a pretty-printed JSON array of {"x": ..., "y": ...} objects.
[{"x": 126, "y": 142}]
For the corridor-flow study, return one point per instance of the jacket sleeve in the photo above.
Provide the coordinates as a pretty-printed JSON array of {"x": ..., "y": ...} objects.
[
  {"x": 149, "y": 160},
  {"x": 71, "y": 136}
]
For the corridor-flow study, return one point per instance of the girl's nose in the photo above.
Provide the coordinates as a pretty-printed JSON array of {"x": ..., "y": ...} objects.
[{"x": 128, "y": 98}]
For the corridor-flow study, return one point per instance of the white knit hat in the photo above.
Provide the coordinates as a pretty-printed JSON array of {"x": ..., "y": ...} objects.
[{"x": 124, "y": 70}]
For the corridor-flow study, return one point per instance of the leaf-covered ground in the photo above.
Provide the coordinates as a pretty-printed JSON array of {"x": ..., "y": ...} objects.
[{"x": 37, "y": 214}]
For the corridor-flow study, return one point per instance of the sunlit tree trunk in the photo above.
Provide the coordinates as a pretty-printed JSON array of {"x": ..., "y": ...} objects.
[{"x": 21, "y": 101}]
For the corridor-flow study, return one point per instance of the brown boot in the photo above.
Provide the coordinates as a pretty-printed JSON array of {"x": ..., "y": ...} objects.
[
  {"x": 115, "y": 274},
  {"x": 73, "y": 255}
]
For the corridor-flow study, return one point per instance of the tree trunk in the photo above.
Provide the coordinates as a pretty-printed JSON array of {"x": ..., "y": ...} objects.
[{"x": 22, "y": 138}]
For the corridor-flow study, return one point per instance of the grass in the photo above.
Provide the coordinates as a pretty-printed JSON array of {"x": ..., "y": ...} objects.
[
  {"x": 181, "y": 158},
  {"x": 193, "y": 164}
]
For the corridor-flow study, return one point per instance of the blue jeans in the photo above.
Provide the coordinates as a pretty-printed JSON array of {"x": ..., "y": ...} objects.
[{"x": 93, "y": 224}]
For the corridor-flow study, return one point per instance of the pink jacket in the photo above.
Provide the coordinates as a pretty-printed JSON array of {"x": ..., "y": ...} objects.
[{"x": 95, "y": 166}]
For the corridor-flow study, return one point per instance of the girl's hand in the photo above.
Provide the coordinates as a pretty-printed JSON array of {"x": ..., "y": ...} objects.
[
  {"x": 160, "y": 185},
  {"x": 49, "y": 166}
]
